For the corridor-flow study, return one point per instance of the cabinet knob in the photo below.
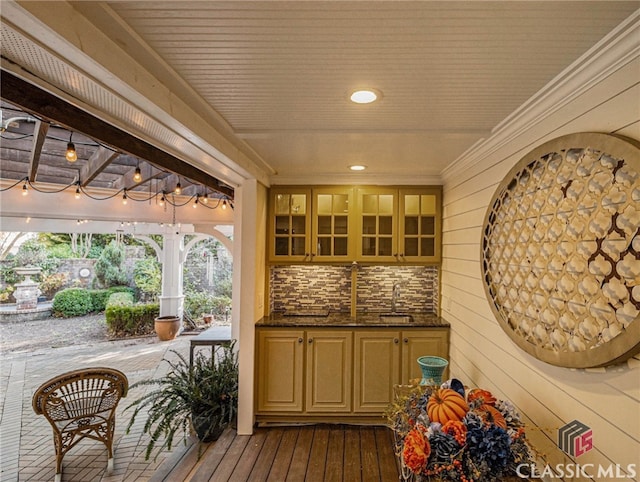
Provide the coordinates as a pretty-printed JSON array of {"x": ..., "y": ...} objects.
[
  {"x": 406, "y": 340},
  {"x": 395, "y": 340},
  {"x": 300, "y": 340},
  {"x": 310, "y": 340}
]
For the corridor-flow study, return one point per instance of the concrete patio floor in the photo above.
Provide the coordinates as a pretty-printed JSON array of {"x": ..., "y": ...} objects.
[{"x": 26, "y": 443}]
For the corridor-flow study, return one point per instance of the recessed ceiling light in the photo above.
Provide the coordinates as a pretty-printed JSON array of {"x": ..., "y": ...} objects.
[
  {"x": 357, "y": 167},
  {"x": 364, "y": 96}
]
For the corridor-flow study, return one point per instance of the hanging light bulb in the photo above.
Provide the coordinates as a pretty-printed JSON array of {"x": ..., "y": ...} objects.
[
  {"x": 71, "y": 155},
  {"x": 195, "y": 203},
  {"x": 224, "y": 204},
  {"x": 124, "y": 197},
  {"x": 137, "y": 177},
  {"x": 178, "y": 189},
  {"x": 77, "y": 194},
  {"x": 205, "y": 198},
  {"x": 161, "y": 203},
  {"x": 25, "y": 190}
]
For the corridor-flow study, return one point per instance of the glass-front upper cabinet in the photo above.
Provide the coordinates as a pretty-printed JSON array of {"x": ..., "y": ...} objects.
[
  {"x": 332, "y": 237},
  {"x": 290, "y": 224},
  {"x": 419, "y": 224},
  {"x": 377, "y": 224}
]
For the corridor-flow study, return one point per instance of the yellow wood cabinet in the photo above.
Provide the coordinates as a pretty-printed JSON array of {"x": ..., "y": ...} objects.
[
  {"x": 398, "y": 225},
  {"x": 377, "y": 369},
  {"x": 280, "y": 362},
  {"x": 311, "y": 224},
  {"x": 329, "y": 371},
  {"x": 344, "y": 374},
  {"x": 417, "y": 343},
  {"x": 366, "y": 223}
]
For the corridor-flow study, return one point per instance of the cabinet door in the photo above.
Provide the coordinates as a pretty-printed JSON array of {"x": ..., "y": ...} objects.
[
  {"x": 377, "y": 229},
  {"x": 329, "y": 368},
  {"x": 419, "y": 225},
  {"x": 377, "y": 369},
  {"x": 434, "y": 342},
  {"x": 332, "y": 226},
  {"x": 289, "y": 224},
  {"x": 280, "y": 370}
]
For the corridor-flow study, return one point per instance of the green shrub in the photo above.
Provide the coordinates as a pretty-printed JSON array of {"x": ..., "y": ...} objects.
[
  {"x": 52, "y": 283},
  {"x": 130, "y": 320},
  {"x": 147, "y": 276},
  {"x": 99, "y": 298},
  {"x": 200, "y": 303},
  {"x": 109, "y": 268},
  {"x": 72, "y": 302},
  {"x": 120, "y": 299},
  {"x": 123, "y": 289}
]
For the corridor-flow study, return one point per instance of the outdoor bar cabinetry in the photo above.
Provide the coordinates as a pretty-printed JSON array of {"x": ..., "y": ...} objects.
[
  {"x": 337, "y": 374},
  {"x": 372, "y": 224}
]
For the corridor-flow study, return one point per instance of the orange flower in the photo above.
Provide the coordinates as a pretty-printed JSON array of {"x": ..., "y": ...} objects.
[
  {"x": 416, "y": 450},
  {"x": 492, "y": 416},
  {"x": 480, "y": 393},
  {"x": 457, "y": 429}
]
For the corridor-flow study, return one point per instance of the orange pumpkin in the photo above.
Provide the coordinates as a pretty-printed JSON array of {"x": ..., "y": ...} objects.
[{"x": 446, "y": 404}]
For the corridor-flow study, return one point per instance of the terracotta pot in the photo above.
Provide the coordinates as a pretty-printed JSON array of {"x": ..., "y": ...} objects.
[{"x": 167, "y": 327}]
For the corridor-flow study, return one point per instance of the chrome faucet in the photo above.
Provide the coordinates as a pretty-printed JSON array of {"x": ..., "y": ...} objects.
[{"x": 395, "y": 294}]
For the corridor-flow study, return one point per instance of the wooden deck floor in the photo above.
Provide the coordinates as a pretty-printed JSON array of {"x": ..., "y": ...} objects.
[{"x": 330, "y": 453}]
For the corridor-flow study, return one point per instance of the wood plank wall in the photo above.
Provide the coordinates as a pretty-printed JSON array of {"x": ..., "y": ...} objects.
[{"x": 481, "y": 353}]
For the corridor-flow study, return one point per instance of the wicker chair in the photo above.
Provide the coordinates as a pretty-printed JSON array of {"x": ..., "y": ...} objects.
[{"x": 81, "y": 404}]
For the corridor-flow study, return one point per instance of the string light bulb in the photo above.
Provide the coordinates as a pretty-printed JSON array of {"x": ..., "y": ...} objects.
[
  {"x": 137, "y": 177},
  {"x": 71, "y": 155},
  {"x": 77, "y": 195},
  {"x": 178, "y": 189},
  {"x": 195, "y": 203},
  {"x": 25, "y": 189},
  {"x": 161, "y": 202},
  {"x": 124, "y": 197},
  {"x": 205, "y": 198},
  {"x": 224, "y": 204}
]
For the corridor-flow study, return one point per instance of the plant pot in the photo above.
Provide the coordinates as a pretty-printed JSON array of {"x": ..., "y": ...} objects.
[
  {"x": 207, "y": 428},
  {"x": 432, "y": 368},
  {"x": 167, "y": 327},
  {"x": 208, "y": 319}
]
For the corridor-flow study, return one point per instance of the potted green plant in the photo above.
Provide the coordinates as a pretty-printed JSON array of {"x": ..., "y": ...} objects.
[{"x": 203, "y": 396}]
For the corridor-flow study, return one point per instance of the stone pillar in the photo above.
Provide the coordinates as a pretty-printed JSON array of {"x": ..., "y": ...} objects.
[{"x": 172, "y": 297}]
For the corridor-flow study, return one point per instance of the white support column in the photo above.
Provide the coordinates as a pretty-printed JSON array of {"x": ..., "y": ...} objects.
[
  {"x": 248, "y": 289},
  {"x": 171, "y": 300}
]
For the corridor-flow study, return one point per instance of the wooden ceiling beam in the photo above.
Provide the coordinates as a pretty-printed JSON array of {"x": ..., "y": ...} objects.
[
  {"x": 98, "y": 161},
  {"x": 43, "y": 104},
  {"x": 40, "y": 130}
]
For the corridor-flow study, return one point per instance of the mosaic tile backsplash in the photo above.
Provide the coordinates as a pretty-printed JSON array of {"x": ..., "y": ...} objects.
[{"x": 304, "y": 288}]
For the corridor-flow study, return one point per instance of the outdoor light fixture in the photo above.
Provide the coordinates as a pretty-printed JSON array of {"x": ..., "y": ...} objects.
[
  {"x": 137, "y": 177},
  {"x": 178, "y": 189},
  {"x": 71, "y": 155},
  {"x": 161, "y": 203},
  {"x": 77, "y": 195},
  {"x": 124, "y": 197},
  {"x": 224, "y": 204},
  {"x": 25, "y": 190},
  {"x": 357, "y": 167},
  {"x": 205, "y": 198},
  {"x": 195, "y": 203}
]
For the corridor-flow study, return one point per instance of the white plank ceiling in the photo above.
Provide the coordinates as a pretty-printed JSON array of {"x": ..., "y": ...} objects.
[{"x": 280, "y": 73}]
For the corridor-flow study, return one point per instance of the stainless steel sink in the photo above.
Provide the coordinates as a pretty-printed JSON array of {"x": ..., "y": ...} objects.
[{"x": 396, "y": 317}]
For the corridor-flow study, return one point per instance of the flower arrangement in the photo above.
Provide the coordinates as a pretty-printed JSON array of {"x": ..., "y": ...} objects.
[{"x": 447, "y": 433}]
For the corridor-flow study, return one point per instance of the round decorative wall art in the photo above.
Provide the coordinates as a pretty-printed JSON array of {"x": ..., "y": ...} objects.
[{"x": 561, "y": 251}]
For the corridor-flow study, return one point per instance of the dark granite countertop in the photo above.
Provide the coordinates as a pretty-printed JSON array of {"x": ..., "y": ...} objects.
[{"x": 362, "y": 320}]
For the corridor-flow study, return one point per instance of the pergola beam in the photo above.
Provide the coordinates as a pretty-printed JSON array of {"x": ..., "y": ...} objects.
[
  {"x": 98, "y": 161},
  {"x": 40, "y": 130},
  {"x": 39, "y": 102}
]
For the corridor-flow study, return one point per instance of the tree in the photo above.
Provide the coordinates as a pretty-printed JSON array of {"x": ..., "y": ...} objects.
[
  {"x": 8, "y": 241},
  {"x": 147, "y": 276},
  {"x": 110, "y": 269},
  {"x": 81, "y": 244}
]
